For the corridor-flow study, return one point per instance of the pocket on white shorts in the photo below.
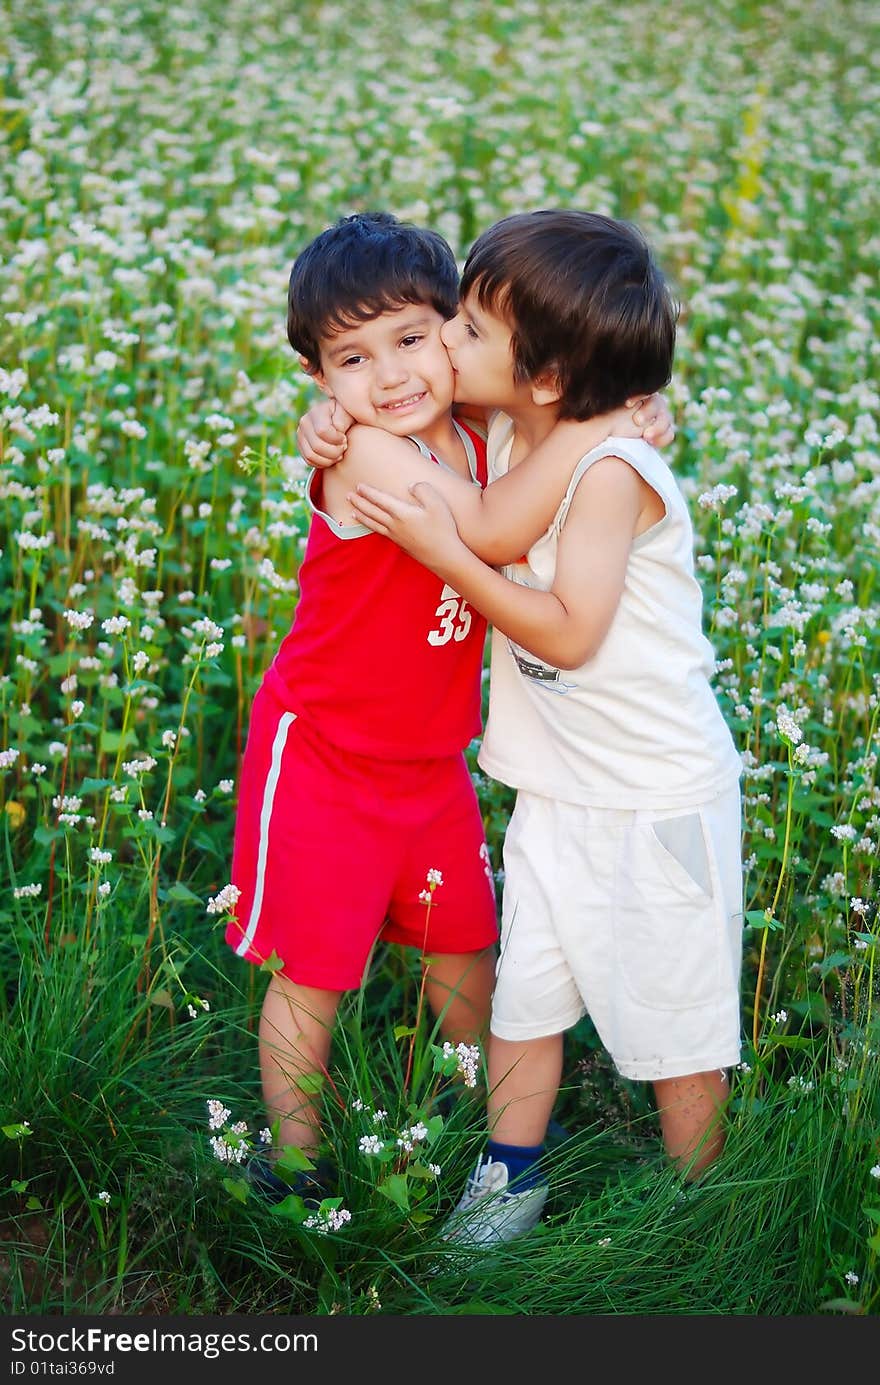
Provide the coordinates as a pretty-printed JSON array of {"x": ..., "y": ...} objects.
[{"x": 669, "y": 929}]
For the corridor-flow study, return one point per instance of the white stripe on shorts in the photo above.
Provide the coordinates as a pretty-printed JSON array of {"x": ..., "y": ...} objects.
[{"x": 284, "y": 724}]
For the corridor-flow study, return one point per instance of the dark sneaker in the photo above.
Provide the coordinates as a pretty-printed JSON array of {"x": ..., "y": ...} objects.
[{"x": 312, "y": 1185}]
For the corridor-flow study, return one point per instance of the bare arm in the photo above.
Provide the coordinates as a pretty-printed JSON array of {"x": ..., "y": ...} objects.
[
  {"x": 503, "y": 521},
  {"x": 499, "y": 523},
  {"x": 566, "y": 625}
]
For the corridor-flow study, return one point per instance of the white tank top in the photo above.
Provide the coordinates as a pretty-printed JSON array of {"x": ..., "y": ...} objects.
[{"x": 638, "y": 725}]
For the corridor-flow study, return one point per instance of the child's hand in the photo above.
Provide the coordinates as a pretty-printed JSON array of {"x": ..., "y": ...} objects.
[
  {"x": 422, "y": 526},
  {"x": 321, "y": 433},
  {"x": 653, "y": 419}
]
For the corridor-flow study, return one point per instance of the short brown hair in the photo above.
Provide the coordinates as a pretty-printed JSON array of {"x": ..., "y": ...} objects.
[
  {"x": 584, "y": 298},
  {"x": 364, "y": 265}
]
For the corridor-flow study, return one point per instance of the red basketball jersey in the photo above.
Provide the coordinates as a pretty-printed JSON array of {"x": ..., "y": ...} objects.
[{"x": 383, "y": 658}]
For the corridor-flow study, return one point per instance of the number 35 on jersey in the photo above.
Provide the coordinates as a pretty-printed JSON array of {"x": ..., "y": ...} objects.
[{"x": 453, "y": 616}]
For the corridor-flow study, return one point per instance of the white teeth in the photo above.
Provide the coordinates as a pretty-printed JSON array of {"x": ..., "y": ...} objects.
[{"x": 401, "y": 403}]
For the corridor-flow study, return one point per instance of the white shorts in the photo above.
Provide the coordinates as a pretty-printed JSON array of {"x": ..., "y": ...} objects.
[{"x": 633, "y": 917}]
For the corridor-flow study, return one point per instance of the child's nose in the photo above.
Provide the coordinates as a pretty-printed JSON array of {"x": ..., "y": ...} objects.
[
  {"x": 391, "y": 371},
  {"x": 449, "y": 330}
]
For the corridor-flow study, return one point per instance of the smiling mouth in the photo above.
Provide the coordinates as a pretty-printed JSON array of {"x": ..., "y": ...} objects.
[{"x": 396, "y": 404}]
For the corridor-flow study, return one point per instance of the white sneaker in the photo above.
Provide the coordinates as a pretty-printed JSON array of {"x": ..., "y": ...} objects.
[{"x": 487, "y": 1213}]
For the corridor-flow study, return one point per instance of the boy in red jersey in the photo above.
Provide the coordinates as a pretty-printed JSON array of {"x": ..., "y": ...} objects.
[{"x": 354, "y": 789}]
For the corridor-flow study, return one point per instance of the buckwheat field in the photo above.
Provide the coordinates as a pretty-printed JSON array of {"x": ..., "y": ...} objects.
[{"x": 160, "y": 167}]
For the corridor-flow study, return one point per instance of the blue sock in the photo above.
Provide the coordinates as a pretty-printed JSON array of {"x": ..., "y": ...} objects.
[{"x": 521, "y": 1161}]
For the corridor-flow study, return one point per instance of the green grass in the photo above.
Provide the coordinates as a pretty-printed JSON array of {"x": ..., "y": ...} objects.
[{"x": 161, "y": 166}]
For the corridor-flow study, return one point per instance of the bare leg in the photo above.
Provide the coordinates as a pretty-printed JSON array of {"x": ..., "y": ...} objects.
[
  {"x": 459, "y": 990},
  {"x": 524, "y": 1078},
  {"x": 690, "y": 1110},
  {"x": 296, "y": 1026}
]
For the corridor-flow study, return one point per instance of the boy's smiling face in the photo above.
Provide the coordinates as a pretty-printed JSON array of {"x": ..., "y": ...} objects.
[
  {"x": 481, "y": 351},
  {"x": 392, "y": 371}
]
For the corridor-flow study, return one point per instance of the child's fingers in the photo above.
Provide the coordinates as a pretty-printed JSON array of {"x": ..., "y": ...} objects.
[{"x": 375, "y": 515}]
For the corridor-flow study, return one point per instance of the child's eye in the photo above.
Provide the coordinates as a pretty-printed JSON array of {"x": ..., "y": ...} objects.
[
  {"x": 351, "y": 360},
  {"x": 411, "y": 340},
  {"x": 470, "y": 331}
]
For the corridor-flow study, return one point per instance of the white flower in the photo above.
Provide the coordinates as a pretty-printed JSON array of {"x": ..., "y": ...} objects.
[
  {"x": 104, "y": 1197},
  {"x": 79, "y": 620},
  {"x": 851, "y": 1277},
  {"x": 370, "y": 1144},
  {"x": 115, "y": 625},
  {"x": 468, "y": 1056},
  {"x": 27, "y": 891},
  {"x": 8, "y": 758},
  {"x": 844, "y": 832},
  {"x": 328, "y": 1219},
  {"x": 225, "y": 901},
  {"x": 875, "y": 1171},
  {"x": 225, "y": 786},
  {"x": 104, "y": 889},
  {"x": 218, "y": 1114},
  {"x": 788, "y": 727}
]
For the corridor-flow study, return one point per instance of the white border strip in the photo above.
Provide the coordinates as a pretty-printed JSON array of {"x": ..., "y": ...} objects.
[{"x": 284, "y": 724}]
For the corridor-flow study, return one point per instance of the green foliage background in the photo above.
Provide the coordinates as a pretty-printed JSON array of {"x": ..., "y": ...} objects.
[{"x": 161, "y": 166}]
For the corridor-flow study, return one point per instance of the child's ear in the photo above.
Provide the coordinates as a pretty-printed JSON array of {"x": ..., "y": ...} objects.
[
  {"x": 546, "y": 388},
  {"x": 316, "y": 373}
]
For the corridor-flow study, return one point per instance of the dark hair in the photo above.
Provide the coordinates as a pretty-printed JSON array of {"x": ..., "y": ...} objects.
[
  {"x": 584, "y": 299},
  {"x": 364, "y": 265}
]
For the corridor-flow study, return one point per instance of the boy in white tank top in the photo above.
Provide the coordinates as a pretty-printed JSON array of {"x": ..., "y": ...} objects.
[{"x": 623, "y": 879}]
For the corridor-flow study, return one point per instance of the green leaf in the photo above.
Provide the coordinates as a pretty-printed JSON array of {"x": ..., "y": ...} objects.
[
  {"x": 163, "y": 998},
  {"x": 419, "y": 1170},
  {"x": 182, "y": 894},
  {"x": 96, "y": 785},
  {"x": 237, "y": 1188},
  {"x": 404, "y": 1031},
  {"x": 293, "y": 1160},
  {"x": 873, "y": 1213},
  {"x": 840, "y": 1305},
  {"x": 419, "y": 1218},
  {"x": 16, "y": 1132},
  {"x": 867, "y": 938},
  {"x": 33, "y": 1204},
  {"x": 113, "y": 741},
  {"x": 45, "y": 835},
  {"x": 756, "y": 918},
  {"x": 874, "y": 1243},
  {"x": 272, "y": 963},
  {"x": 396, "y": 1190},
  {"x": 835, "y": 959},
  {"x": 435, "y": 1126},
  {"x": 292, "y": 1208},
  {"x": 19, "y": 1185},
  {"x": 310, "y": 1082}
]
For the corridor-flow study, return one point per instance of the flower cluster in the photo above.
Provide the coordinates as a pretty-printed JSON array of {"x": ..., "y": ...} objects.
[{"x": 467, "y": 1057}]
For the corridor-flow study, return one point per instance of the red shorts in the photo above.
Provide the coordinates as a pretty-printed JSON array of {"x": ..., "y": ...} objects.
[{"x": 333, "y": 850}]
